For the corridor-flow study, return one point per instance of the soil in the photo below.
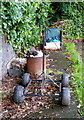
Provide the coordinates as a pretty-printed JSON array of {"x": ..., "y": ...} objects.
[{"x": 40, "y": 108}]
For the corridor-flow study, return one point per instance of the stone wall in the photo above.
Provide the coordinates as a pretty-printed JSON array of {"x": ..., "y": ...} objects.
[
  {"x": 6, "y": 55},
  {"x": 0, "y": 59}
]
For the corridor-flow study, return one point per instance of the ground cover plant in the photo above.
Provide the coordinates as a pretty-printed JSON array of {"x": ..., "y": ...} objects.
[{"x": 77, "y": 77}]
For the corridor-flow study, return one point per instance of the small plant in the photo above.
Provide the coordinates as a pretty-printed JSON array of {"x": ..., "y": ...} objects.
[{"x": 49, "y": 71}]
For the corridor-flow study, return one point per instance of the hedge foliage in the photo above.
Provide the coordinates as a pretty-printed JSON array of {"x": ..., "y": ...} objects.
[
  {"x": 73, "y": 13},
  {"x": 23, "y": 22}
]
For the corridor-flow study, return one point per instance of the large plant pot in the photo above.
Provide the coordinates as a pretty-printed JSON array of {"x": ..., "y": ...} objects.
[{"x": 35, "y": 66}]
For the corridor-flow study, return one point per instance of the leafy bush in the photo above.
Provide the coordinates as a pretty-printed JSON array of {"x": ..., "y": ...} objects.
[
  {"x": 23, "y": 23},
  {"x": 73, "y": 29},
  {"x": 73, "y": 13}
]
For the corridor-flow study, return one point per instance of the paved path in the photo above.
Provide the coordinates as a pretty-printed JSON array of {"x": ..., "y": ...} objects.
[
  {"x": 59, "y": 62},
  {"x": 51, "y": 108}
]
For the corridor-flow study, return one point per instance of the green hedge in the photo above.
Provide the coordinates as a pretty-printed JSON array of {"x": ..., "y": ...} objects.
[
  {"x": 23, "y": 22},
  {"x": 73, "y": 13}
]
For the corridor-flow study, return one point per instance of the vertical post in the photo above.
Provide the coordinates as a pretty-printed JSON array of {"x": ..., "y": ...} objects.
[
  {"x": 43, "y": 73},
  {"x": 61, "y": 38},
  {"x": 43, "y": 55}
]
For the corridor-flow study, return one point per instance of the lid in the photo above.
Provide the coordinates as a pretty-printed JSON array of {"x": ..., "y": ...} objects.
[{"x": 40, "y": 54}]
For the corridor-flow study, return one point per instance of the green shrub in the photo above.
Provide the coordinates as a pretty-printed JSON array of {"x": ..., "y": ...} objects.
[
  {"x": 23, "y": 22},
  {"x": 72, "y": 29},
  {"x": 73, "y": 13}
]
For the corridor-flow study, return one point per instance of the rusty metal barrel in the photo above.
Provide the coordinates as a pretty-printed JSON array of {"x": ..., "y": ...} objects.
[{"x": 35, "y": 66}]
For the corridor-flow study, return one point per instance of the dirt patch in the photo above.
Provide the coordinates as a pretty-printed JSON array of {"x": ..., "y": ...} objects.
[{"x": 79, "y": 47}]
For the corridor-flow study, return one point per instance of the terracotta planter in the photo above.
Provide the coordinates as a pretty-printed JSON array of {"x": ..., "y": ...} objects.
[{"x": 35, "y": 66}]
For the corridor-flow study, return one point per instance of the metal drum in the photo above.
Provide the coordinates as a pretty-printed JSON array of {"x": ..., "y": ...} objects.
[{"x": 35, "y": 66}]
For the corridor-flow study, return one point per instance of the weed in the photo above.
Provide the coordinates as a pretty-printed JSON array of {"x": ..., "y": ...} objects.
[{"x": 48, "y": 71}]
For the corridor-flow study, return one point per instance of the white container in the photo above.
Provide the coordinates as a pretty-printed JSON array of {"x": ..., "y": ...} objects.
[{"x": 52, "y": 45}]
